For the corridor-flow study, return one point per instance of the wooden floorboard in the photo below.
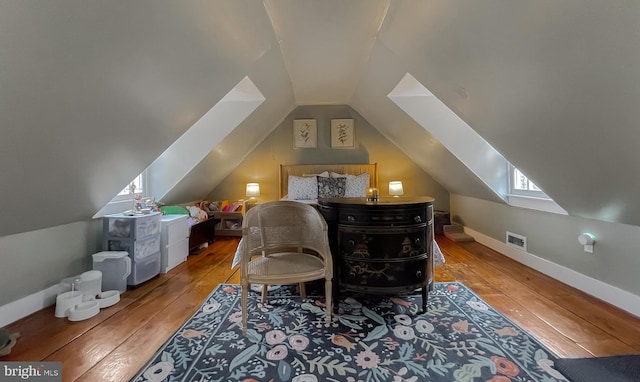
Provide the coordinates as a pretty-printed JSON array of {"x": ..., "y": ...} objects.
[{"x": 116, "y": 343}]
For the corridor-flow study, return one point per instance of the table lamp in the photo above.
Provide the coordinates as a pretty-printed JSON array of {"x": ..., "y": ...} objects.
[
  {"x": 395, "y": 188},
  {"x": 253, "y": 190}
]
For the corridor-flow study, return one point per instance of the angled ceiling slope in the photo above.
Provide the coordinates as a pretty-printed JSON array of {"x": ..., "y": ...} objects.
[
  {"x": 325, "y": 44},
  {"x": 462, "y": 141},
  {"x": 196, "y": 143}
]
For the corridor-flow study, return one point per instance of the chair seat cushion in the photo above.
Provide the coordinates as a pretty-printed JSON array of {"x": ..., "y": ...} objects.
[{"x": 291, "y": 264}]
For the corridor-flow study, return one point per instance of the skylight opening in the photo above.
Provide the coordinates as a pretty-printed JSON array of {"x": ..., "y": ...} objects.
[
  {"x": 524, "y": 193},
  {"x": 520, "y": 184},
  {"x": 135, "y": 186},
  {"x": 191, "y": 147},
  {"x": 454, "y": 133},
  {"x": 469, "y": 147}
]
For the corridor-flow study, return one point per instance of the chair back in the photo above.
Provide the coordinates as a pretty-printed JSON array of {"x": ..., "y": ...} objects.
[{"x": 273, "y": 226}]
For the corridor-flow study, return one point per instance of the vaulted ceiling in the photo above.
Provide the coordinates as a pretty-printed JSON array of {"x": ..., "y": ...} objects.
[{"x": 92, "y": 92}]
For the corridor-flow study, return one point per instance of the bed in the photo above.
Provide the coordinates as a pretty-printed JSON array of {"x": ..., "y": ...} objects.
[
  {"x": 312, "y": 171},
  {"x": 358, "y": 178}
]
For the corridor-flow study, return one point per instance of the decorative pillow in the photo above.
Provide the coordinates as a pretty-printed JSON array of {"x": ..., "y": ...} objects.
[
  {"x": 303, "y": 187},
  {"x": 356, "y": 185},
  {"x": 174, "y": 210},
  {"x": 331, "y": 187}
]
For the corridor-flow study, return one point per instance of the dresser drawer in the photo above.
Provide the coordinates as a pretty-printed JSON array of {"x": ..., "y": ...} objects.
[
  {"x": 146, "y": 227},
  {"x": 380, "y": 247},
  {"x": 118, "y": 245},
  {"x": 147, "y": 247},
  {"x": 373, "y": 216},
  {"x": 173, "y": 254},
  {"x": 145, "y": 269},
  {"x": 384, "y": 276},
  {"x": 382, "y": 242},
  {"x": 174, "y": 228}
]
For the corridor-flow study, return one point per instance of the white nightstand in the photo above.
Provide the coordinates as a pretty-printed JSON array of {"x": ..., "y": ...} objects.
[{"x": 174, "y": 241}]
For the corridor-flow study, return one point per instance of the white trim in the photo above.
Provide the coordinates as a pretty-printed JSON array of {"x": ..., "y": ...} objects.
[
  {"x": 535, "y": 203},
  {"x": 534, "y": 200},
  {"x": 114, "y": 207},
  {"x": 516, "y": 191},
  {"x": 18, "y": 309},
  {"x": 608, "y": 293},
  {"x": 433, "y": 115},
  {"x": 630, "y": 302}
]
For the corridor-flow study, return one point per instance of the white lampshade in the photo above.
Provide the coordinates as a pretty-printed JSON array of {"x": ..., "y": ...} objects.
[
  {"x": 395, "y": 188},
  {"x": 253, "y": 190}
]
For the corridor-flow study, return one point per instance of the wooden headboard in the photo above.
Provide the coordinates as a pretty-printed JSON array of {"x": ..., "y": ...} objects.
[{"x": 311, "y": 169}]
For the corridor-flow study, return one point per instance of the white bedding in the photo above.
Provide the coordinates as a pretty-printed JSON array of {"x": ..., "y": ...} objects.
[{"x": 355, "y": 185}]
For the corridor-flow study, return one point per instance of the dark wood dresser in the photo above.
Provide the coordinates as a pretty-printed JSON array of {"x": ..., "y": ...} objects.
[{"x": 381, "y": 247}]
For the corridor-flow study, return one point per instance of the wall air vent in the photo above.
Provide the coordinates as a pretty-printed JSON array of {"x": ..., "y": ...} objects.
[{"x": 518, "y": 241}]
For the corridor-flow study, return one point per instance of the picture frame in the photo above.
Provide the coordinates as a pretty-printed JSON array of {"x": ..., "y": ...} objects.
[
  {"x": 305, "y": 133},
  {"x": 342, "y": 134}
]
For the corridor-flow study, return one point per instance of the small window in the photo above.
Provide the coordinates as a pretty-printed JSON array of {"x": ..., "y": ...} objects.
[
  {"x": 124, "y": 200},
  {"x": 136, "y": 186},
  {"x": 524, "y": 193},
  {"x": 519, "y": 184}
]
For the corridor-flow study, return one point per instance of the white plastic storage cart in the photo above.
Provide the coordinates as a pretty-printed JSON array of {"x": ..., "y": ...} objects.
[
  {"x": 174, "y": 241},
  {"x": 139, "y": 235}
]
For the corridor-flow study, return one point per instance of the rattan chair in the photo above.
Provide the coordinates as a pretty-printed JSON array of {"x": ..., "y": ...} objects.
[{"x": 284, "y": 242}]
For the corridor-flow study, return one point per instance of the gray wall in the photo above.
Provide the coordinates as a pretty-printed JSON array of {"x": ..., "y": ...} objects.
[
  {"x": 36, "y": 260},
  {"x": 616, "y": 257},
  {"x": 262, "y": 164}
]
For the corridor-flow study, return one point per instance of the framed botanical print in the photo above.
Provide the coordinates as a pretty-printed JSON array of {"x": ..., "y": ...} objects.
[
  {"x": 342, "y": 133},
  {"x": 305, "y": 133}
]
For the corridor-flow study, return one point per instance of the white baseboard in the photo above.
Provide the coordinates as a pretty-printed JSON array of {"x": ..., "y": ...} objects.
[
  {"x": 609, "y": 293},
  {"x": 630, "y": 302},
  {"x": 18, "y": 309}
]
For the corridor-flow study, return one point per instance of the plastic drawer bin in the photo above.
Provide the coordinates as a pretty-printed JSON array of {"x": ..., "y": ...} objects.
[
  {"x": 144, "y": 269},
  {"x": 146, "y": 247}
]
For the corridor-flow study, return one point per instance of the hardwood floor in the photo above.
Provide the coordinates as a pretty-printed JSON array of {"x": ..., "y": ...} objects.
[{"x": 113, "y": 345}]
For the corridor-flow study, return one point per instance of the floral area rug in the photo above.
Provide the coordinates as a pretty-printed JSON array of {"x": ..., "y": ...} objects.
[{"x": 460, "y": 338}]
